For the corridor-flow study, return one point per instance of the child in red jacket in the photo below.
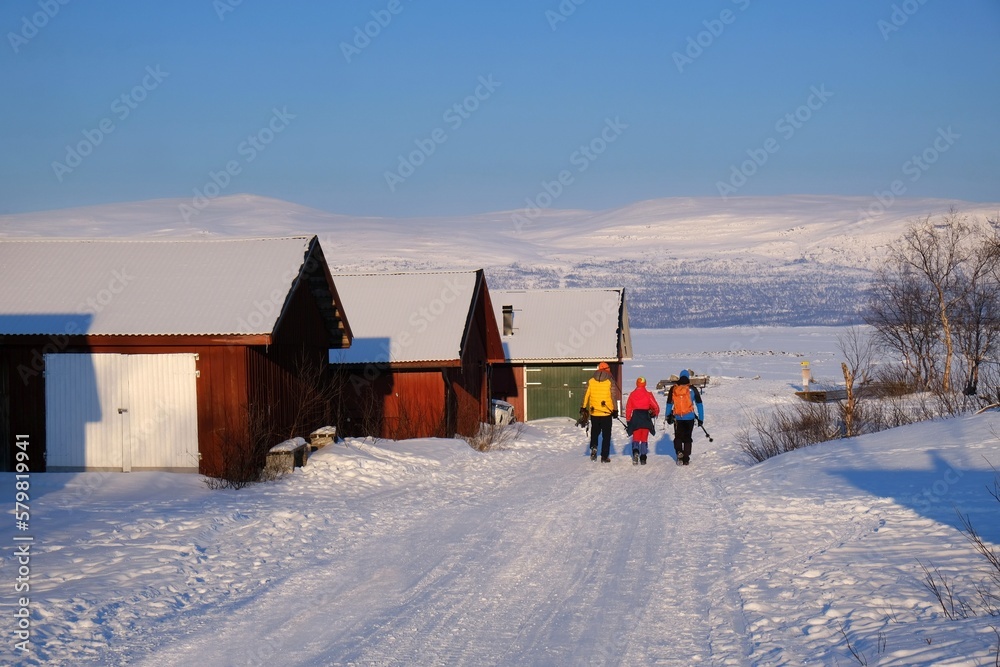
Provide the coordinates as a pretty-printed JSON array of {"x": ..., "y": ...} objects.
[{"x": 640, "y": 412}]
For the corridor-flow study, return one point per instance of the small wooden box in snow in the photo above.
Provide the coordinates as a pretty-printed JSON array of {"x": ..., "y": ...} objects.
[
  {"x": 323, "y": 436},
  {"x": 288, "y": 455}
]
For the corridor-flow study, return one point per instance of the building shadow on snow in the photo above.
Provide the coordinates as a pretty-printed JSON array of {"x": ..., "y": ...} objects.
[{"x": 943, "y": 493}]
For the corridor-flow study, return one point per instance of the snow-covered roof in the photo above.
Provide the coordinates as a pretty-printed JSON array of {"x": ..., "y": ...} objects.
[
  {"x": 563, "y": 324},
  {"x": 406, "y": 317},
  {"x": 147, "y": 287}
]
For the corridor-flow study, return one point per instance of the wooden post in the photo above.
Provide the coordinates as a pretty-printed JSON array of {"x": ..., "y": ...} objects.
[
  {"x": 806, "y": 376},
  {"x": 849, "y": 406}
]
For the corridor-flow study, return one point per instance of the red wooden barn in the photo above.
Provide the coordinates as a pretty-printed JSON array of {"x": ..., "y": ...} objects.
[
  {"x": 420, "y": 361},
  {"x": 156, "y": 354}
]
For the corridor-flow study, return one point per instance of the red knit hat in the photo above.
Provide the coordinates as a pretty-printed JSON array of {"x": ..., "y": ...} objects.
[
  {"x": 603, "y": 366},
  {"x": 640, "y": 381}
]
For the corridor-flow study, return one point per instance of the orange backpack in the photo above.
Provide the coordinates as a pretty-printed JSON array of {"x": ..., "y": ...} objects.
[{"x": 683, "y": 405}]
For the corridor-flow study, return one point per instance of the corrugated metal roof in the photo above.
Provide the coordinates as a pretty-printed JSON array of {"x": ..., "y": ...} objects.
[
  {"x": 147, "y": 287},
  {"x": 563, "y": 324},
  {"x": 405, "y": 317}
]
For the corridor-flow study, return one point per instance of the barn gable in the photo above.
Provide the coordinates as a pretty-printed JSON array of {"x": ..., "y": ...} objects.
[
  {"x": 104, "y": 343},
  {"x": 419, "y": 361}
]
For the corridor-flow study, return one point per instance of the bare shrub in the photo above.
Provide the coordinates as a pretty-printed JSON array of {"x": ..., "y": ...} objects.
[
  {"x": 494, "y": 437},
  {"x": 786, "y": 429},
  {"x": 954, "y": 606},
  {"x": 989, "y": 590},
  {"x": 857, "y": 655},
  {"x": 409, "y": 419},
  {"x": 243, "y": 447},
  {"x": 860, "y": 657},
  {"x": 886, "y": 413},
  {"x": 892, "y": 380},
  {"x": 315, "y": 396}
]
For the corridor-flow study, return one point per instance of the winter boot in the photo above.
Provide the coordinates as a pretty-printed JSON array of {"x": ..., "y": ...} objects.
[
  {"x": 593, "y": 453},
  {"x": 605, "y": 459},
  {"x": 635, "y": 457},
  {"x": 642, "y": 459}
]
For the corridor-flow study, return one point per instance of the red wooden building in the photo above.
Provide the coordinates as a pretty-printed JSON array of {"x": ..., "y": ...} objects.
[
  {"x": 420, "y": 361},
  {"x": 157, "y": 354}
]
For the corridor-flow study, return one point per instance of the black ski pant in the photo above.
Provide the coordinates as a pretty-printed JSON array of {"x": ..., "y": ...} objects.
[
  {"x": 683, "y": 437},
  {"x": 601, "y": 426}
]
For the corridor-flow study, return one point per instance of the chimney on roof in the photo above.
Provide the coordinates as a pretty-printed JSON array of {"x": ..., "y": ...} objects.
[{"x": 508, "y": 320}]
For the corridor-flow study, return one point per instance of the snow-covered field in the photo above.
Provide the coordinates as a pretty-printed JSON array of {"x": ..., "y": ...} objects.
[{"x": 427, "y": 552}]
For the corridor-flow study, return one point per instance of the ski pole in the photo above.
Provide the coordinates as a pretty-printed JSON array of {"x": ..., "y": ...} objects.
[{"x": 706, "y": 433}]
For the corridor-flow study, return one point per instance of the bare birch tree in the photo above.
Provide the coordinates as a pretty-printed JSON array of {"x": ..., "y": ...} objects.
[
  {"x": 940, "y": 254},
  {"x": 859, "y": 357},
  {"x": 935, "y": 299}
]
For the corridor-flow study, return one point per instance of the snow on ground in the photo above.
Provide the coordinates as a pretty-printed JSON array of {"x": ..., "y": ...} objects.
[{"x": 427, "y": 552}]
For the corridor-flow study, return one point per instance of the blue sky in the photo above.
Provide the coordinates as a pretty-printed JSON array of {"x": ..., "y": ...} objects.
[{"x": 421, "y": 107}]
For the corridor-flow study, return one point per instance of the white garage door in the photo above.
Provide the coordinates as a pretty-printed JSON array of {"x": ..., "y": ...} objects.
[{"x": 121, "y": 412}]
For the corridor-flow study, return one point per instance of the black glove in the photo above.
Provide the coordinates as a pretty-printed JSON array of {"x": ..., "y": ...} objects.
[
  {"x": 614, "y": 414},
  {"x": 701, "y": 422},
  {"x": 670, "y": 419}
]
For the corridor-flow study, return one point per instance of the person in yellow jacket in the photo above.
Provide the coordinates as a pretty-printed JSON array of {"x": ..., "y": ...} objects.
[{"x": 601, "y": 403}]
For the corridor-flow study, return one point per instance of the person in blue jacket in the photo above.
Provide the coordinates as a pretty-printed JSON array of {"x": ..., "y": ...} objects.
[{"x": 684, "y": 407}]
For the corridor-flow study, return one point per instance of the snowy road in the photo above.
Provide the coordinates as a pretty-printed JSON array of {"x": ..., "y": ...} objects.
[{"x": 525, "y": 557}]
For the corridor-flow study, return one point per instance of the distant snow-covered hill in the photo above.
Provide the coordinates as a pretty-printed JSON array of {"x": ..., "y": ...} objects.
[{"x": 687, "y": 262}]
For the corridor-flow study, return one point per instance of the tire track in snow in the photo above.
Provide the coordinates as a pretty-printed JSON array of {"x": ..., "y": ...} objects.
[{"x": 540, "y": 557}]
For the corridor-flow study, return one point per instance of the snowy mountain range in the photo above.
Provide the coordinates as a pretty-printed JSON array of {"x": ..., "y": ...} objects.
[{"x": 688, "y": 262}]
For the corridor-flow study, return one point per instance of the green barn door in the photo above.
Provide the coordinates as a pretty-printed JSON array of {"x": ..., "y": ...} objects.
[{"x": 555, "y": 391}]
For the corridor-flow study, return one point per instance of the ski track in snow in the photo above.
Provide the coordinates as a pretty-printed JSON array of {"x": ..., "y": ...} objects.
[{"x": 592, "y": 566}]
